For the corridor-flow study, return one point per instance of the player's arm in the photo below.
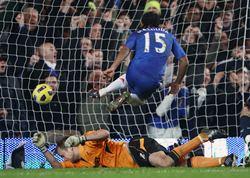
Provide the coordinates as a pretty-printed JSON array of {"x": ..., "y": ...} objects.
[
  {"x": 183, "y": 66},
  {"x": 75, "y": 140},
  {"x": 39, "y": 141},
  {"x": 179, "y": 54},
  {"x": 97, "y": 135},
  {"x": 123, "y": 53},
  {"x": 182, "y": 69},
  {"x": 52, "y": 160}
]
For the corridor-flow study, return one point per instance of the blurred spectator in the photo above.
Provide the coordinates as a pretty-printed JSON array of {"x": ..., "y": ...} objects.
[
  {"x": 218, "y": 50},
  {"x": 66, "y": 7},
  {"x": 168, "y": 25},
  {"x": 44, "y": 60},
  {"x": 209, "y": 12},
  {"x": 86, "y": 46},
  {"x": 94, "y": 59},
  {"x": 55, "y": 115},
  {"x": 173, "y": 8},
  {"x": 193, "y": 43},
  {"x": 28, "y": 18},
  {"x": 222, "y": 105},
  {"x": 93, "y": 113},
  {"x": 200, "y": 108},
  {"x": 243, "y": 80},
  {"x": 20, "y": 43},
  {"x": 59, "y": 21},
  {"x": 13, "y": 120},
  {"x": 99, "y": 6},
  {"x": 123, "y": 23},
  {"x": 227, "y": 20},
  {"x": 80, "y": 25},
  {"x": 135, "y": 9},
  {"x": 96, "y": 80},
  {"x": 48, "y": 53},
  {"x": 231, "y": 103},
  {"x": 27, "y": 25},
  {"x": 3, "y": 5},
  {"x": 238, "y": 61},
  {"x": 166, "y": 9},
  {"x": 153, "y": 6},
  {"x": 95, "y": 33},
  {"x": 109, "y": 35},
  {"x": 187, "y": 15},
  {"x": 192, "y": 16},
  {"x": 231, "y": 27},
  {"x": 91, "y": 12},
  {"x": 78, "y": 22}
]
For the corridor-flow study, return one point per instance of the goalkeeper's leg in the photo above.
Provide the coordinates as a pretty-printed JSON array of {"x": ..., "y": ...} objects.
[
  {"x": 203, "y": 162},
  {"x": 120, "y": 83},
  {"x": 180, "y": 152},
  {"x": 176, "y": 156}
]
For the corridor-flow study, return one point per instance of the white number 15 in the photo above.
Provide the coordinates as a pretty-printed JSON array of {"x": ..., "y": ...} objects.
[{"x": 159, "y": 38}]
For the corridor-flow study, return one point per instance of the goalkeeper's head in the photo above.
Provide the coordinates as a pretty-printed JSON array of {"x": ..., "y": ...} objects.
[
  {"x": 150, "y": 19},
  {"x": 68, "y": 154}
]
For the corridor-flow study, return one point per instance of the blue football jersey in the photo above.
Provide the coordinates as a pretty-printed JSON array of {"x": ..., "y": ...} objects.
[{"x": 152, "y": 47}]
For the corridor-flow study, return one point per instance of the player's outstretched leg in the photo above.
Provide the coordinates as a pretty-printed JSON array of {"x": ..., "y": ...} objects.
[
  {"x": 135, "y": 100},
  {"x": 113, "y": 105},
  {"x": 203, "y": 162},
  {"x": 94, "y": 93},
  {"x": 120, "y": 83},
  {"x": 206, "y": 135}
]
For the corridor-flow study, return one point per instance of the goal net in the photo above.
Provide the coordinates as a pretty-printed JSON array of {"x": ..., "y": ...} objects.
[{"x": 67, "y": 44}]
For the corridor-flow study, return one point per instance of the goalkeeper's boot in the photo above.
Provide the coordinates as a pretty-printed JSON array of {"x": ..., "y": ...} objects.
[
  {"x": 94, "y": 93},
  {"x": 214, "y": 133},
  {"x": 113, "y": 105},
  {"x": 230, "y": 161}
]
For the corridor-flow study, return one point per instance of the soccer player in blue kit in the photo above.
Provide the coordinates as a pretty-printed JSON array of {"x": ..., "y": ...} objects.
[{"x": 152, "y": 46}]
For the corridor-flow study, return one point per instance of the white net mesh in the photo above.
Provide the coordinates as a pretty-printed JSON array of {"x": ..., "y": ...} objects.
[{"x": 68, "y": 43}]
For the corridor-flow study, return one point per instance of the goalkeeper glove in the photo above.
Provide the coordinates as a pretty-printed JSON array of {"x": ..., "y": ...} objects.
[
  {"x": 39, "y": 141},
  {"x": 74, "y": 140}
]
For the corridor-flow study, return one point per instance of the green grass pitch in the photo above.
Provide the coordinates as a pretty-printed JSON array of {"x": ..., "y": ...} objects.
[{"x": 124, "y": 173}]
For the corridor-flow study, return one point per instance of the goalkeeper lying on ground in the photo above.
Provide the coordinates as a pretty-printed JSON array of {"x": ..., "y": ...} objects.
[{"x": 95, "y": 149}]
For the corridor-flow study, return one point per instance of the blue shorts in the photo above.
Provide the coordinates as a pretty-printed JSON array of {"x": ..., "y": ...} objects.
[{"x": 141, "y": 85}]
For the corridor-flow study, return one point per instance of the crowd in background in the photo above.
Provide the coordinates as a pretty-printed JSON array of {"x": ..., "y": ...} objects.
[{"x": 70, "y": 42}]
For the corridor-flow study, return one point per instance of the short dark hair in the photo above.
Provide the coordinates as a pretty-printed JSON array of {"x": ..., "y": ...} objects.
[
  {"x": 150, "y": 19},
  {"x": 60, "y": 143}
]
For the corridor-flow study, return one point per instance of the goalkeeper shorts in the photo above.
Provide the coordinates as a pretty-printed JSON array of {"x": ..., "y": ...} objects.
[{"x": 142, "y": 147}]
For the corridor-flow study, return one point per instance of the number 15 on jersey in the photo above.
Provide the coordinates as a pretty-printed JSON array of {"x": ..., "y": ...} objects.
[{"x": 159, "y": 38}]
